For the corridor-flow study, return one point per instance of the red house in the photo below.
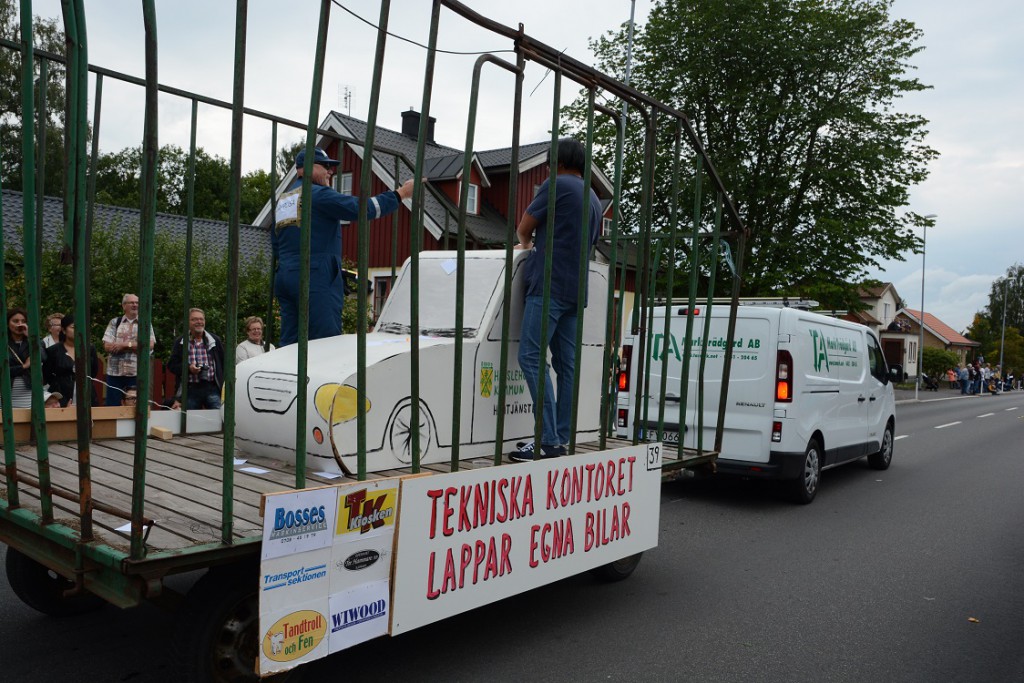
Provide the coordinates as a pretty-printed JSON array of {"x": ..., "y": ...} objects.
[{"x": 394, "y": 161}]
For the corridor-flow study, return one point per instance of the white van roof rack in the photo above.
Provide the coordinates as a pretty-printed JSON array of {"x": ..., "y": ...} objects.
[{"x": 771, "y": 302}]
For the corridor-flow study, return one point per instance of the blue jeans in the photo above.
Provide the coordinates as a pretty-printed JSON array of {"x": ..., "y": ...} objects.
[
  {"x": 203, "y": 395},
  {"x": 116, "y": 388},
  {"x": 562, "y": 345}
]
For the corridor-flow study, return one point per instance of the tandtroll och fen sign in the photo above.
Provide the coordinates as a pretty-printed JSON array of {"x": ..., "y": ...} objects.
[{"x": 467, "y": 539}]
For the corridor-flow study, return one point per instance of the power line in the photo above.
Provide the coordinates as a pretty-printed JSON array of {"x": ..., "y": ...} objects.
[{"x": 413, "y": 42}]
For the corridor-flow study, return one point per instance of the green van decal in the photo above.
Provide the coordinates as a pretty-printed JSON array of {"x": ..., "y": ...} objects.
[{"x": 832, "y": 352}]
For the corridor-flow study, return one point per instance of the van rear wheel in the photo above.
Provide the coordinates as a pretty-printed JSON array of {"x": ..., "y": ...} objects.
[{"x": 805, "y": 487}]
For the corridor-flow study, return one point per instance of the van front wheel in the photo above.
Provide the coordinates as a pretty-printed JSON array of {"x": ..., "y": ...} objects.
[
  {"x": 805, "y": 486},
  {"x": 883, "y": 458}
]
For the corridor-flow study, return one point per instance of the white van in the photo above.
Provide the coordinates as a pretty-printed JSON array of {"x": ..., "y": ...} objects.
[{"x": 807, "y": 392}]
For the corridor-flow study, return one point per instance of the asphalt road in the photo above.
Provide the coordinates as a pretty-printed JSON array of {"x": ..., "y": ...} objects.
[{"x": 875, "y": 581}]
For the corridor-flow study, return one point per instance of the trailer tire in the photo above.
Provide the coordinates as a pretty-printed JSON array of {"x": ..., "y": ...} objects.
[
  {"x": 42, "y": 589},
  {"x": 617, "y": 570},
  {"x": 804, "y": 488},
  {"x": 218, "y": 629}
]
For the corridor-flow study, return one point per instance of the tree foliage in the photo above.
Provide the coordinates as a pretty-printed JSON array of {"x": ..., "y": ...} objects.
[
  {"x": 937, "y": 361},
  {"x": 47, "y": 35},
  {"x": 1007, "y": 294},
  {"x": 115, "y": 268},
  {"x": 794, "y": 102},
  {"x": 118, "y": 182}
]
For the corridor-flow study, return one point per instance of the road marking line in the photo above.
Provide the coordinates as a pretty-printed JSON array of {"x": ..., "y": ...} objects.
[
  {"x": 1013, "y": 408},
  {"x": 901, "y": 436},
  {"x": 987, "y": 415},
  {"x": 948, "y": 425}
]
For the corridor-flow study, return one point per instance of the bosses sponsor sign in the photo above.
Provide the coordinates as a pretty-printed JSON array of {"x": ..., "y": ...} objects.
[
  {"x": 298, "y": 521},
  {"x": 470, "y": 538}
]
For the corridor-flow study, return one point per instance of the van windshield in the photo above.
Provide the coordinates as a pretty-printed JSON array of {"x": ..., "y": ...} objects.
[{"x": 437, "y": 297}]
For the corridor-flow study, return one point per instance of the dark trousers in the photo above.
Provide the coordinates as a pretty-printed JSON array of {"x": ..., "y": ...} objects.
[{"x": 116, "y": 386}]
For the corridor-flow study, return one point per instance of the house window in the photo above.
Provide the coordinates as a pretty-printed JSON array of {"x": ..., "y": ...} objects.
[
  {"x": 343, "y": 184},
  {"x": 381, "y": 289},
  {"x": 885, "y": 314},
  {"x": 473, "y": 201},
  {"x": 606, "y": 226}
]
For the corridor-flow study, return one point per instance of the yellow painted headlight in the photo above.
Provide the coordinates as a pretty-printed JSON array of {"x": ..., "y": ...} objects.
[{"x": 337, "y": 403}]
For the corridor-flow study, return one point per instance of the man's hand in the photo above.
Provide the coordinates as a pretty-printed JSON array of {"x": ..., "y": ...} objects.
[
  {"x": 405, "y": 191},
  {"x": 524, "y": 247},
  {"x": 194, "y": 369}
]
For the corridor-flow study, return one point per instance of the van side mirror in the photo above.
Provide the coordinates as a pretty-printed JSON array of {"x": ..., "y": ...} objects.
[{"x": 895, "y": 373}]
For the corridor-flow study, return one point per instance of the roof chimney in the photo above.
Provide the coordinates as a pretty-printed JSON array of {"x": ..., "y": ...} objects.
[{"x": 411, "y": 125}]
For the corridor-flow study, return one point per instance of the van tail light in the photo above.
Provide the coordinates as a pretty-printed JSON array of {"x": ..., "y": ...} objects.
[
  {"x": 624, "y": 365},
  {"x": 784, "y": 377},
  {"x": 776, "y": 431},
  {"x": 623, "y": 417}
]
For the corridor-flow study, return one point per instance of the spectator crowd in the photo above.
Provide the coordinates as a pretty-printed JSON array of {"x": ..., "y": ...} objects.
[{"x": 203, "y": 365}]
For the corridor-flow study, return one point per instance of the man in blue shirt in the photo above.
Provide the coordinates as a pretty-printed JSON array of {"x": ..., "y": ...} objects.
[
  {"x": 565, "y": 263},
  {"x": 326, "y": 283}
]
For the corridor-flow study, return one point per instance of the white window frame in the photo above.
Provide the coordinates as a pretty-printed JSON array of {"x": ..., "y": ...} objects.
[{"x": 473, "y": 199}]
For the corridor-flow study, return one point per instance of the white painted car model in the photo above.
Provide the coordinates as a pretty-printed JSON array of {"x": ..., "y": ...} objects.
[
  {"x": 265, "y": 407},
  {"x": 807, "y": 392}
]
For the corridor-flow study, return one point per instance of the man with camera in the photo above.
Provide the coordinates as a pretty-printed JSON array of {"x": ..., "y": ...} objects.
[
  {"x": 205, "y": 363},
  {"x": 121, "y": 343}
]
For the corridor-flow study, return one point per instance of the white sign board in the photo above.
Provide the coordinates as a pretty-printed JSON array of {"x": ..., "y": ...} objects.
[
  {"x": 471, "y": 538},
  {"x": 326, "y": 571}
]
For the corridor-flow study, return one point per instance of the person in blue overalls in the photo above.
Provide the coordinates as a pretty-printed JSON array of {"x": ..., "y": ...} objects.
[{"x": 326, "y": 284}]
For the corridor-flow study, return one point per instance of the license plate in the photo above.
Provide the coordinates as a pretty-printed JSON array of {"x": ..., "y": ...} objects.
[{"x": 670, "y": 437}]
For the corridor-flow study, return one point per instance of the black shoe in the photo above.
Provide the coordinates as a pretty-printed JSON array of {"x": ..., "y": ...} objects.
[{"x": 525, "y": 452}]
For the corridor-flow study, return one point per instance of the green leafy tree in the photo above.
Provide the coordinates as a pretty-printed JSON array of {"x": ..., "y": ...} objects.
[
  {"x": 118, "y": 182},
  {"x": 47, "y": 35},
  {"x": 794, "y": 102},
  {"x": 937, "y": 361},
  {"x": 115, "y": 270},
  {"x": 286, "y": 157}
]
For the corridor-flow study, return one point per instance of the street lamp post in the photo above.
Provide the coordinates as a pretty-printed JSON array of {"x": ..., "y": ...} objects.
[{"x": 920, "y": 327}]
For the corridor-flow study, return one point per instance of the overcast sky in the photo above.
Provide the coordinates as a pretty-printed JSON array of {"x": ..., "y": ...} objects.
[{"x": 974, "y": 60}]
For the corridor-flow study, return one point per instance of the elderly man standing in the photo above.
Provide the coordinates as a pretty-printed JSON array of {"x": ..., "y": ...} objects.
[
  {"x": 121, "y": 342},
  {"x": 326, "y": 282},
  {"x": 205, "y": 363}
]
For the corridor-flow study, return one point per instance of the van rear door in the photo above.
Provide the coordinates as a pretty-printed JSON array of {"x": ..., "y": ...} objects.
[{"x": 748, "y": 414}]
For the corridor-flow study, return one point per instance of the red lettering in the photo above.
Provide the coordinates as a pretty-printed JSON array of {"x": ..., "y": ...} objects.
[
  {"x": 467, "y": 559},
  {"x": 480, "y": 505},
  {"x": 464, "y": 493},
  {"x": 615, "y": 523},
  {"x": 528, "y": 497},
  {"x": 610, "y": 478},
  {"x": 588, "y": 532},
  {"x": 577, "y": 484},
  {"x": 516, "y": 513},
  {"x": 552, "y": 497},
  {"x": 533, "y": 545},
  {"x": 632, "y": 460},
  {"x": 481, "y": 553},
  {"x": 502, "y": 485},
  {"x": 432, "y": 592},
  {"x": 448, "y": 582},
  {"x": 625, "y": 520},
  {"x": 434, "y": 494},
  {"x": 506, "y": 548},
  {"x": 570, "y": 545},
  {"x": 599, "y": 482},
  {"x": 590, "y": 481},
  {"x": 492, "y": 560},
  {"x": 447, "y": 529},
  {"x": 621, "y": 476}
]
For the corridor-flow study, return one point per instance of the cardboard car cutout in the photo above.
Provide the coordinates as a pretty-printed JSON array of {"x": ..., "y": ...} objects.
[{"x": 267, "y": 395}]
